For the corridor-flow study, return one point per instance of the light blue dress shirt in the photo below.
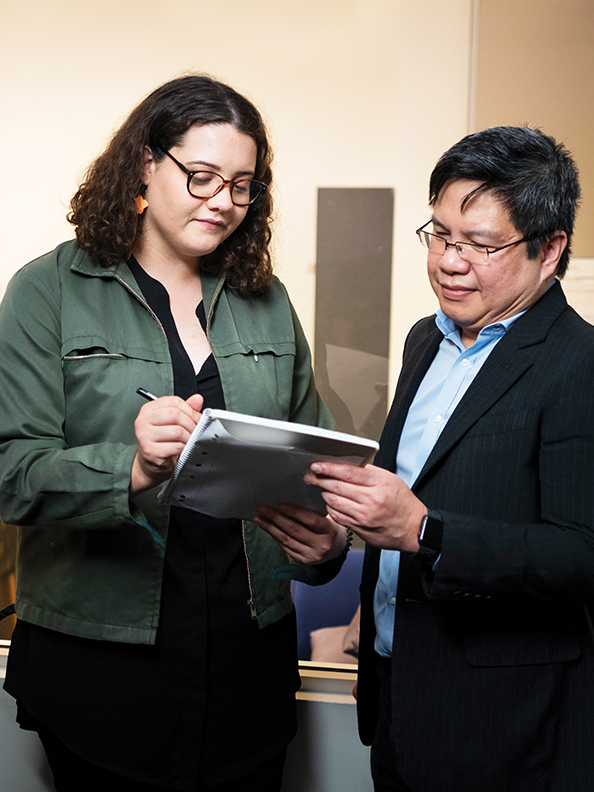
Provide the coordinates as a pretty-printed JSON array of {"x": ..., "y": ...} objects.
[{"x": 448, "y": 378}]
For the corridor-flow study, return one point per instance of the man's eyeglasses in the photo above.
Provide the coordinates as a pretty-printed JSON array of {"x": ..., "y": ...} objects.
[
  {"x": 473, "y": 253},
  {"x": 207, "y": 184}
]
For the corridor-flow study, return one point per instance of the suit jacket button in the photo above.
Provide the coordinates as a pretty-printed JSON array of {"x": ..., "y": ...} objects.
[
  {"x": 457, "y": 595},
  {"x": 468, "y": 595}
]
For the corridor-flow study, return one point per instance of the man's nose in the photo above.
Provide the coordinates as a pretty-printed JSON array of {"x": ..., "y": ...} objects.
[{"x": 452, "y": 261}]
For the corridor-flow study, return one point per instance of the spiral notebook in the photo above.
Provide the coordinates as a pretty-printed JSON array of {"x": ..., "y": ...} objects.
[{"x": 233, "y": 462}]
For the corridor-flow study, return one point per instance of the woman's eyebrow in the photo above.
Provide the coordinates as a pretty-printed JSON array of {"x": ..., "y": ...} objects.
[{"x": 213, "y": 167}]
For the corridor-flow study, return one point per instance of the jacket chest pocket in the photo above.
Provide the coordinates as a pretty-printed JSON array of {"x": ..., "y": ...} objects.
[
  {"x": 100, "y": 382},
  {"x": 502, "y": 422},
  {"x": 258, "y": 379}
]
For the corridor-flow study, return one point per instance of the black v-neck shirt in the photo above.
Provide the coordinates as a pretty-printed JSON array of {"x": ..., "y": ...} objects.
[{"x": 214, "y": 697}]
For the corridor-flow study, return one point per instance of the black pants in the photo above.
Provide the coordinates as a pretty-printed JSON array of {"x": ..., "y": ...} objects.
[
  {"x": 72, "y": 773},
  {"x": 383, "y": 761}
]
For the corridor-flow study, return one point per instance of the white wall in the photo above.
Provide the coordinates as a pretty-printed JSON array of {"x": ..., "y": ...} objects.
[{"x": 357, "y": 93}]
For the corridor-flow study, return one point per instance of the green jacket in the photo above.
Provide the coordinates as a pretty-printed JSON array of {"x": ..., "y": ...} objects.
[{"x": 75, "y": 343}]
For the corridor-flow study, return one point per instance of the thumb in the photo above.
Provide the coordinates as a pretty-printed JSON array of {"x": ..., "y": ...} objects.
[{"x": 195, "y": 402}]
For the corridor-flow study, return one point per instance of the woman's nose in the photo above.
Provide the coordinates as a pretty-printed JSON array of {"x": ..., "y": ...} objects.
[{"x": 222, "y": 199}]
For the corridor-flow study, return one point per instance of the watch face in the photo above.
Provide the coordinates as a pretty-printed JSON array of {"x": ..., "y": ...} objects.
[{"x": 431, "y": 533}]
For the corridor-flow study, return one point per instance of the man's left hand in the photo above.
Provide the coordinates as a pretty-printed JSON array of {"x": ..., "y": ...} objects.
[{"x": 373, "y": 502}]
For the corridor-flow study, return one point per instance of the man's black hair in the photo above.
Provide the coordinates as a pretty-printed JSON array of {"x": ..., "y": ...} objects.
[{"x": 533, "y": 176}]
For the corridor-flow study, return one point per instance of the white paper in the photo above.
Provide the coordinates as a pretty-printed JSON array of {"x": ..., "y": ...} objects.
[{"x": 234, "y": 462}]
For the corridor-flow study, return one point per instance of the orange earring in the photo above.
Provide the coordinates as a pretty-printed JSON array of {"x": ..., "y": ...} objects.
[{"x": 141, "y": 204}]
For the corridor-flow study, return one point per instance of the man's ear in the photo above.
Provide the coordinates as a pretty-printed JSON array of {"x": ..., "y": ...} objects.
[
  {"x": 551, "y": 253},
  {"x": 147, "y": 165}
]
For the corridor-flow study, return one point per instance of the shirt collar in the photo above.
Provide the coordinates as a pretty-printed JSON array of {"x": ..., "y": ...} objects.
[{"x": 448, "y": 327}]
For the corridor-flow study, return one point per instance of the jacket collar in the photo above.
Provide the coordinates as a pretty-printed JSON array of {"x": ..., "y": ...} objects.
[{"x": 86, "y": 265}]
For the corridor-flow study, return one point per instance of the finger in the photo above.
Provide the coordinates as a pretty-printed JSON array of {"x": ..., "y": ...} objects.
[
  {"x": 347, "y": 473},
  {"x": 311, "y": 520},
  {"x": 158, "y": 440},
  {"x": 175, "y": 405},
  {"x": 305, "y": 531},
  {"x": 196, "y": 402},
  {"x": 167, "y": 416},
  {"x": 285, "y": 539},
  {"x": 279, "y": 521},
  {"x": 343, "y": 518},
  {"x": 339, "y": 491},
  {"x": 343, "y": 485},
  {"x": 348, "y": 512}
]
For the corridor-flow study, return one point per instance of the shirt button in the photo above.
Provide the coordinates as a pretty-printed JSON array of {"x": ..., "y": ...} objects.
[
  {"x": 465, "y": 362},
  {"x": 437, "y": 418},
  {"x": 392, "y": 600}
]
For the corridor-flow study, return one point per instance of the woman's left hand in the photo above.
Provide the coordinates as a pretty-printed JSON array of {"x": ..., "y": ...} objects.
[{"x": 306, "y": 536}]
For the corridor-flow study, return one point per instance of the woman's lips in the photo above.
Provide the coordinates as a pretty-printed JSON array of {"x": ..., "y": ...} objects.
[{"x": 213, "y": 224}]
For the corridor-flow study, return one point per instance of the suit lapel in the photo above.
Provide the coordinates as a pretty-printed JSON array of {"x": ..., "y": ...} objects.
[{"x": 492, "y": 381}]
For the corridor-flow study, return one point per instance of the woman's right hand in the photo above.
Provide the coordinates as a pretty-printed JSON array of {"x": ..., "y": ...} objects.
[{"x": 162, "y": 427}]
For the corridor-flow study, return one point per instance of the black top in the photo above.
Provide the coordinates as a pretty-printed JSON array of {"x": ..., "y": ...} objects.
[{"x": 214, "y": 697}]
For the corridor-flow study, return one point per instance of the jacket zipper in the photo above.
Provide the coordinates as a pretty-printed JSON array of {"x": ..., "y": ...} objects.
[
  {"x": 143, "y": 301},
  {"x": 251, "y": 601},
  {"x": 111, "y": 356}
]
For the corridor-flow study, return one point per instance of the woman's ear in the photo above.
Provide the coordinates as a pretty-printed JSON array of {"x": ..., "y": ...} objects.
[{"x": 147, "y": 165}]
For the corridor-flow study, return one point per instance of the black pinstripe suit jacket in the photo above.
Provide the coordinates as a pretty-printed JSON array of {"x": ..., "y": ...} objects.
[{"x": 492, "y": 669}]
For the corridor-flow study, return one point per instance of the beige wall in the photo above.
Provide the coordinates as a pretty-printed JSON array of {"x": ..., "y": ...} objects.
[
  {"x": 362, "y": 93},
  {"x": 344, "y": 84},
  {"x": 536, "y": 65}
]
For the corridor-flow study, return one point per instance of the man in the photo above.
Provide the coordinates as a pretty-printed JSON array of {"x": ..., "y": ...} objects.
[{"x": 476, "y": 668}]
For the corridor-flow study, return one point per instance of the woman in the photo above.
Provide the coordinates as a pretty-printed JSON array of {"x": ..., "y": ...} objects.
[{"x": 154, "y": 647}]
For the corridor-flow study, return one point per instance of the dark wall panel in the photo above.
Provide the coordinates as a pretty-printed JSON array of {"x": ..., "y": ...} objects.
[{"x": 353, "y": 285}]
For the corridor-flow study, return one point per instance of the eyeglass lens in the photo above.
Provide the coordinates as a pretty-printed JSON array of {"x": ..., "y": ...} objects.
[
  {"x": 473, "y": 254},
  {"x": 204, "y": 184}
]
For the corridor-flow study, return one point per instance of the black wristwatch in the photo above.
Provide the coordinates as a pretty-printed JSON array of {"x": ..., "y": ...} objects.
[{"x": 430, "y": 537}]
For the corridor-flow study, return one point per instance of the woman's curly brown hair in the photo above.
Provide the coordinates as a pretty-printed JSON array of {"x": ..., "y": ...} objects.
[{"x": 103, "y": 210}]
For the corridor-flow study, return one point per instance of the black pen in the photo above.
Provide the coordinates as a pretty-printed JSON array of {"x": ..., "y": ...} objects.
[{"x": 145, "y": 394}]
